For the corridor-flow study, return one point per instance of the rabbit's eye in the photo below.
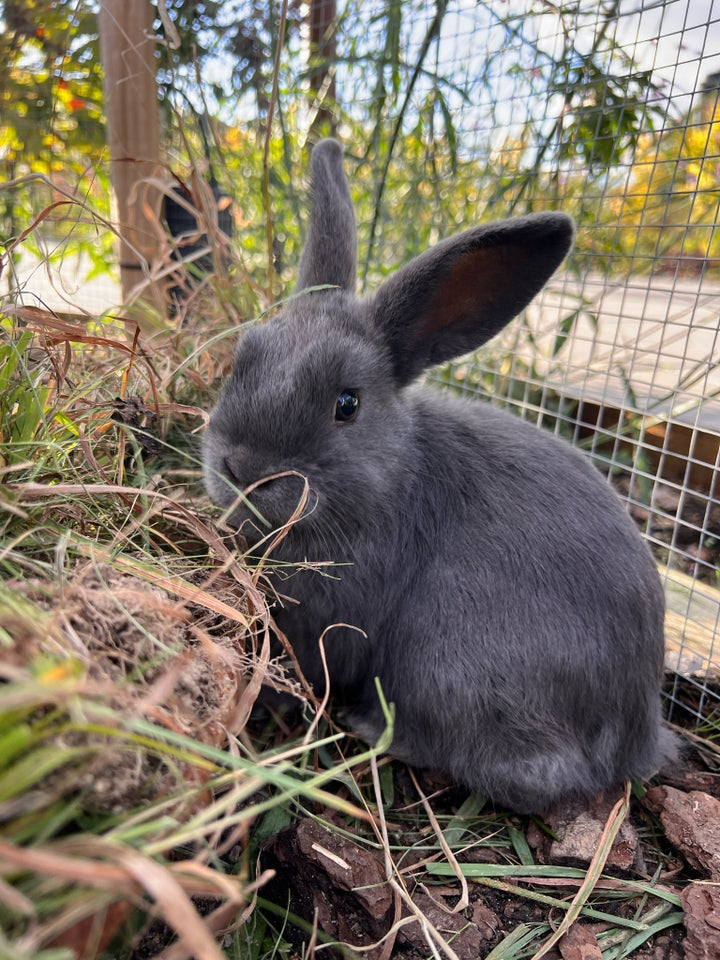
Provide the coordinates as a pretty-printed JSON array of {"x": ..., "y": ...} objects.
[{"x": 346, "y": 406}]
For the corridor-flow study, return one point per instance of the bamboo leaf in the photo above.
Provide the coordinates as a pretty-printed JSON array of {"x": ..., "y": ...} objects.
[{"x": 564, "y": 331}]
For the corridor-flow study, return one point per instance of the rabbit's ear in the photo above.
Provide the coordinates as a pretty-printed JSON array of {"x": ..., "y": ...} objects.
[
  {"x": 460, "y": 293},
  {"x": 330, "y": 254}
]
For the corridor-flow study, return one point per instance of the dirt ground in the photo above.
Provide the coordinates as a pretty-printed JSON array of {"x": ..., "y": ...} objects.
[
  {"x": 672, "y": 834},
  {"x": 335, "y": 883}
]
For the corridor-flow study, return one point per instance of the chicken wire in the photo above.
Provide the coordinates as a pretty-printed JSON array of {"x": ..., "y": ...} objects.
[
  {"x": 609, "y": 111},
  {"x": 457, "y": 111}
]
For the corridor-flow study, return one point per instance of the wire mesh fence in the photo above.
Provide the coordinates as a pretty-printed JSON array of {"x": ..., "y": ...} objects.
[
  {"x": 458, "y": 111},
  {"x": 609, "y": 111}
]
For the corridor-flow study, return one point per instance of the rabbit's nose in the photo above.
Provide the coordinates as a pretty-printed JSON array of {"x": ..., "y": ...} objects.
[
  {"x": 239, "y": 466},
  {"x": 230, "y": 469}
]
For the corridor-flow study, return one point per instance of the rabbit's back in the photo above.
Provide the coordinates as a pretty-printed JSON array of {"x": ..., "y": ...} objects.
[{"x": 532, "y": 640}]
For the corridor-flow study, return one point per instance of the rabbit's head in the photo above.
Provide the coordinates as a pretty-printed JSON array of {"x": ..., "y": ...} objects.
[{"x": 317, "y": 394}]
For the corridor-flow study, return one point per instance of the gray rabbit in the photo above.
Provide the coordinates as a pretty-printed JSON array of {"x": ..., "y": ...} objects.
[{"x": 511, "y": 611}]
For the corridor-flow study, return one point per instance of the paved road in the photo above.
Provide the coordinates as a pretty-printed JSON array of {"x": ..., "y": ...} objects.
[
  {"x": 64, "y": 286},
  {"x": 655, "y": 339}
]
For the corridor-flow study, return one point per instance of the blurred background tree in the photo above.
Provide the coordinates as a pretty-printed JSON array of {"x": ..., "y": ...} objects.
[
  {"x": 439, "y": 131},
  {"x": 51, "y": 106},
  {"x": 669, "y": 210}
]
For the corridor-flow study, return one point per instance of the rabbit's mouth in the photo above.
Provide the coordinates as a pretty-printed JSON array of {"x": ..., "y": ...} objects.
[{"x": 272, "y": 503}]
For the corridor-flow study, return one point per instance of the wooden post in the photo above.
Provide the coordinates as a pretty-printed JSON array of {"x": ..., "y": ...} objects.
[
  {"x": 322, "y": 74},
  {"x": 133, "y": 127}
]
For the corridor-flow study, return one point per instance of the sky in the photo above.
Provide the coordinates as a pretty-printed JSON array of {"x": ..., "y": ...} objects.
[{"x": 678, "y": 39}]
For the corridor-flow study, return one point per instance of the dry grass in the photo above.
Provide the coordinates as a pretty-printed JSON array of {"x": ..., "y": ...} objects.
[{"x": 134, "y": 644}]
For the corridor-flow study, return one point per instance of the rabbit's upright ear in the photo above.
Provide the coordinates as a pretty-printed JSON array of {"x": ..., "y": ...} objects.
[
  {"x": 460, "y": 293},
  {"x": 330, "y": 254}
]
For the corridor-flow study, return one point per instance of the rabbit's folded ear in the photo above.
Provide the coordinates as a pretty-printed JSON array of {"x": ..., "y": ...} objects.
[
  {"x": 457, "y": 295},
  {"x": 330, "y": 254}
]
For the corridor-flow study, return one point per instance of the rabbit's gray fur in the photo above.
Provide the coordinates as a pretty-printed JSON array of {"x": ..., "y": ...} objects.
[{"x": 510, "y": 609}]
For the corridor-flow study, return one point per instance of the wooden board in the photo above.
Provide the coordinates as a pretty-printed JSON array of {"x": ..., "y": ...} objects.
[{"x": 692, "y": 626}]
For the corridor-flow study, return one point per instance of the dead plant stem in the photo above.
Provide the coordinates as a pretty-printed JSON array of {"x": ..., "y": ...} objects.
[{"x": 266, "y": 152}]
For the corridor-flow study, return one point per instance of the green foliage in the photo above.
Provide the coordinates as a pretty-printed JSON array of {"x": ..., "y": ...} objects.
[
  {"x": 50, "y": 86},
  {"x": 50, "y": 103},
  {"x": 669, "y": 207},
  {"x": 605, "y": 113},
  {"x": 24, "y": 398},
  {"x": 239, "y": 34}
]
